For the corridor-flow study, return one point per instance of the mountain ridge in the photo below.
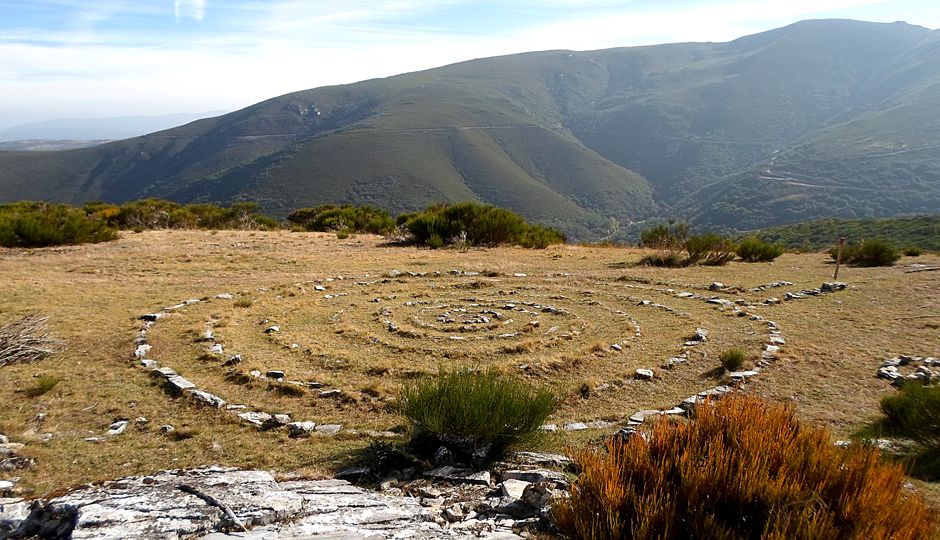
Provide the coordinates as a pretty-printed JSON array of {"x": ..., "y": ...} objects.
[{"x": 805, "y": 121}]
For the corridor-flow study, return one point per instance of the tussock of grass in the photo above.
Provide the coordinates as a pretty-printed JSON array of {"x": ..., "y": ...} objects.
[
  {"x": 742, "y": 469},
  {"x": 44, "y": 383},
  {"x": 476, "y": 415},
  {"x": 733, "y": 359}
]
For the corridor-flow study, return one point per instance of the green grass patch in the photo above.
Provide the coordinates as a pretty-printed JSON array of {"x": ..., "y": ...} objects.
[
  {"x": 476, "y": 415},
  {"x": 44, "y": 383}
]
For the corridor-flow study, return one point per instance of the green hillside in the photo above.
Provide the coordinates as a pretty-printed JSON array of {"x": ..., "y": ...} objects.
[
  {"x": 918, "y": 231},
  {"x": 817, "y": 119}
]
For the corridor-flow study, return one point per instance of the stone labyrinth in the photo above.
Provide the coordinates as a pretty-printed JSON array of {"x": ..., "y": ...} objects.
[{"x": 325, "y": 356}]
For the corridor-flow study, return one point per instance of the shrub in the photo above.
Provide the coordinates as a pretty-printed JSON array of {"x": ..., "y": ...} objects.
[
  {"x": 732, "y": 359},
  {"x": 709, "y": 249},
  {"x": 753, "y": 249},
  {"x": 27, "y": 340},
  {"x": 474, "y": 224},
  {"x": 741, "y": 469},
  {"x": 667, "y": 236},
  {"x": 914, "y": 412},
  {"x": 913, "y": 251},
  {"x": 163, "y": 214},
  {"x": 347, "y": 218},
  {"x": 475, "y": 415},
  {"x": 868, "y": 253},
  {"x": 668, "y": 259},
  {"x": 36, "y": 224}
]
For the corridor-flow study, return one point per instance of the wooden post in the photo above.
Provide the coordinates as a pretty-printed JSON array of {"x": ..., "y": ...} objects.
[{"x": 839, "y": 257}]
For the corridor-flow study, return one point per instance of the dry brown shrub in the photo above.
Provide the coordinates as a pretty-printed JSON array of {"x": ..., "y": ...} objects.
[
  {"x": 743, "y": 468},
  {"x": 27, "y": 340}
]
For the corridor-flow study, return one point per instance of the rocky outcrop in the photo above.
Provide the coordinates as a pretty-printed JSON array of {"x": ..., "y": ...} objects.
[{"x": 216, "y": 502}]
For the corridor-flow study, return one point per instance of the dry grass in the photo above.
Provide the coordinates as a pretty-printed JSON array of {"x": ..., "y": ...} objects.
[{"x": 94, "y": 294}]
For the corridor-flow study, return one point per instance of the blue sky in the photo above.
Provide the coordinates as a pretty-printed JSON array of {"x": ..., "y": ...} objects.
[{"x": 95, "y": 58}]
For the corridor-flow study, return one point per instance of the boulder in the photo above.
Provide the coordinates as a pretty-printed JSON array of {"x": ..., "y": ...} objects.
[{"x": 174, "y": 504}]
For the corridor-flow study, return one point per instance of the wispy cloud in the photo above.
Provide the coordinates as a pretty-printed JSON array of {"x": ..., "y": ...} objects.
[
  {"x": 115, "y": 57},
  {"x": 190, "y": 9}
]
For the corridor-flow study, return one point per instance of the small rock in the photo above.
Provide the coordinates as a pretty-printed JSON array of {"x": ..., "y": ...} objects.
[
  {"x": 541, "y": 458},
  {"x": 275, "y": 421},
  {"x": 233, "y": 360},
  {"x": 300, "y": 429},
  {"x": 255, "y": 417},
  {"x": 274, "y": 374},
  {"x": 150, "y": 317},
  {"x": 178, "y": 384},
  {"x": 833, "y": 286},
  {"x": 575, "y": 426},
  {"x": 459, "y": 476},
  {"x": 206, "y": 398},
  {"x": 142, "y": 350},
  {"x": 217, "y": 349},
  {"x": 331, "y": 393},
  {"x": 224, "y": 296},
  {"x": 443, "y": 457},
  {"x": 167, "y": 428},
  {"x": 117, "y": 428},
  {"x": 328, "y": 429},
  {"x": 536, "y": 475},
  {"x": 716, "y": 286},
  {"x": 540, "y": 494},
  {"x": 272, "y": 329},
  {"x": 644, "y": 374},
  {"x": 513, "y": 488},
  {"x": 141, "y": 420}
]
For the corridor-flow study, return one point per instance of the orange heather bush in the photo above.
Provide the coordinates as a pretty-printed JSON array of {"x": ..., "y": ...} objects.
[{"x": 742, "y": 468}]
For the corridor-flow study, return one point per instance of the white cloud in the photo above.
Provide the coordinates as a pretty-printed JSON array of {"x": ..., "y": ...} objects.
[
  {"x": 274, "y": 47},
  {"x": 191, "y": 9}
]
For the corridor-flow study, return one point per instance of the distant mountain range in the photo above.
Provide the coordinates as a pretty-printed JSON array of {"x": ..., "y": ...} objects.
[
  {"x": 823, "y": 118},
  {"x": 94, "y": 129}
]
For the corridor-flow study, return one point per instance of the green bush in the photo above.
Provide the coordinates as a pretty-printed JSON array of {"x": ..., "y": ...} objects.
[
  {"x": 672, "y": 239},
  {"x": 347, "y": 218},
  {"x": 666, "y": 236},
  {"x": 163, "y": 214},
  {"x": 709, "y": 249},
  {"x": 742, "y": 468},
  {"x": 753, "y": 249},
  {"x": 913, "y": 251},
  {"x": 476, "y": 415},
  {"x": 732, "y": 359},
  {"x": 914, "y": 412},
  {"x": 868, "y": 253},
  {"x": 474, "y": 224},
  {"x": 37, "y": 224}
]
